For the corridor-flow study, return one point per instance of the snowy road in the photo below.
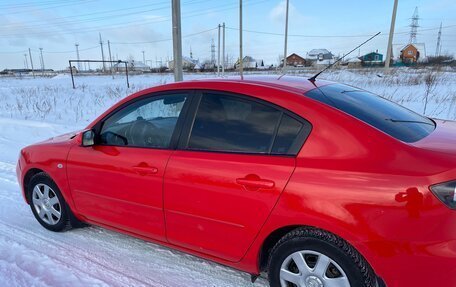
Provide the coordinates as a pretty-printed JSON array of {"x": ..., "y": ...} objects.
[{"x": 33, "y": 256}]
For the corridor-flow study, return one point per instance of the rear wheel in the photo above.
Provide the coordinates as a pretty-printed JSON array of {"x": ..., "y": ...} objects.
[
  {"x": 309, "y": 257},
  {"x": 47, "y": 203}
]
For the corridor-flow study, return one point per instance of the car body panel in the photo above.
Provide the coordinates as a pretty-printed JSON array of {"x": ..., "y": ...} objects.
[
  {"x": 111, "y": 185},
  {"x": 349, "y": 178},
  {"x": 204, "y": 208}
]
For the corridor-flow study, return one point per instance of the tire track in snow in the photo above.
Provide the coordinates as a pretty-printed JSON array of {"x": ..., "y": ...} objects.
[
  {"x": 76, "y": 257},
  {"x": 8, "y": 172}
]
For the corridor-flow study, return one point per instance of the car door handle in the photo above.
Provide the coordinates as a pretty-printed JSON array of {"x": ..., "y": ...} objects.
[
  {"x": 255, "y": 182},
  {"x": 145, "y": 170}
]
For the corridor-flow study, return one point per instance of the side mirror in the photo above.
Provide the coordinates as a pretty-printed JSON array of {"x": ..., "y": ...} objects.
[{"x": 88, "y": 138}]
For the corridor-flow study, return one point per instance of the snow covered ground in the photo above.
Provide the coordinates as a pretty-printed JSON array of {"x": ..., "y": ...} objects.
[{"x": 36, "y": 109}]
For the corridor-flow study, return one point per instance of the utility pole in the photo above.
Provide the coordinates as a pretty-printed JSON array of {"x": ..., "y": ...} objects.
[
  {"x": 241, "y": 62},
  {"x": 77, "y": 56},
  {"x": 109, "y": 50},
  {"x": 31, "y": 63},
  {"x": 144, "y": 57},
  {"x": 389, "y": 49},
  {"x": 26, "y": 61},
  {"x": 286, "y": 39},
  {"x": 218, "y": 51},
  {"x": 177, "y": 41},
  {"x": 102, "y": 54},
  {"x": 223, "y": 50},
  {"x": 438, "y": 49},
  {"x": 41, "y": 61}
]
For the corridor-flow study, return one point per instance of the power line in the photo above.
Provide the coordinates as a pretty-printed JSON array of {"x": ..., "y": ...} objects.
[
  {"x": 140, "y": 22},
  {"x": 162, "y": 40},
  {"x": 331, "y": 36},
  {"x": 90, "y": 14},
  {"x": 50, "y": 7}
]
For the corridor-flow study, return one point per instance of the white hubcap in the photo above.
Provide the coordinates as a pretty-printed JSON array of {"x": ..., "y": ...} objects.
[{"x": 46, "y": 204}]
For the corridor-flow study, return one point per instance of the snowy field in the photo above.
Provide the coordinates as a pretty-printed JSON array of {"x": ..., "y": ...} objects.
[{"x": 36, "y": 109}]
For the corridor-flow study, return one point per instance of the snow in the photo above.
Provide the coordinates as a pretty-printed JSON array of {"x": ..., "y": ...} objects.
[{"x": 35, "y": 109}]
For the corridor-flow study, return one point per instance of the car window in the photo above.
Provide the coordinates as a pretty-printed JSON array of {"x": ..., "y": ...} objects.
[
  {"x": 146, "y": 123},
  {"x": 391, "y": 118},
  {"x": 233, "y": 124},
  {"x": 287, "y": 135}
]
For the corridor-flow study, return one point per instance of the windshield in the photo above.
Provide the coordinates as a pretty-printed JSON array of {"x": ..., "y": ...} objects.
[{"x": 391, "y": 118}]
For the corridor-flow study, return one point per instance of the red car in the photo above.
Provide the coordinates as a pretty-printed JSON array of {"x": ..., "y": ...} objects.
[{"x": 318, "y": 184}]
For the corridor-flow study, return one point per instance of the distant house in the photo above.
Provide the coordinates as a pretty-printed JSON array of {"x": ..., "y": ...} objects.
[
  {"x": 132, "y": 66},
  {"x": 139, "y": 66},
  {"x": 320, "y": 58},
  {"x": 319, "y": 55},
  {"x": 354, "y": 63},
  {"x": 372, "y": 59},
  {"x": 249, "y": 62},
  {"x": 295, "y": 60},
  {"x": 188, "y": 63},
  {"x": 412, "y": 53}
]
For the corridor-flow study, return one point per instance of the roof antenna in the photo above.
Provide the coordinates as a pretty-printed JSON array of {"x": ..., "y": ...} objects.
[{"x": 312, "y": 79}]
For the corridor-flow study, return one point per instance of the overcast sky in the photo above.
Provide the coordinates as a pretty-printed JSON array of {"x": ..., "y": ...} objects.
[{"x": 145, "y": 25}]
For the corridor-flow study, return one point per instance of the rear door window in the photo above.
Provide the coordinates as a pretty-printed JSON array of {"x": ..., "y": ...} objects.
[{"x": 228, "y": 123}]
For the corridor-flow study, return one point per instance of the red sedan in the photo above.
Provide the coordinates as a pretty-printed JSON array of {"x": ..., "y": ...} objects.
[{"x": 315, "y": 183}]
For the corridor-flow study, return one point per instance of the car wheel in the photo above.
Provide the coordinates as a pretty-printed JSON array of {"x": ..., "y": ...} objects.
[
  {"x": 309, "y": 257},
  {"x": 47, "y": 203}
]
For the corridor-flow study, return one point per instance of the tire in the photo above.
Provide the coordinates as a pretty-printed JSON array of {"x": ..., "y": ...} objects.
[
  {"x": 47, "y": 207},
  {"x": 313, "y": 257}
]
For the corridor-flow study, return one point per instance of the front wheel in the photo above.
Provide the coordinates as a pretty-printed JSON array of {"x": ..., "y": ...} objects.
[
  {"x": 309, "y": 257},
  {"x": 47, "y": 203}
]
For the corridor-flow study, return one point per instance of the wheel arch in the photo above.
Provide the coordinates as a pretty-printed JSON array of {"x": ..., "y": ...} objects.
[
  {"x": 27, "y": 177},
  {"x": 270, "y": 241}
]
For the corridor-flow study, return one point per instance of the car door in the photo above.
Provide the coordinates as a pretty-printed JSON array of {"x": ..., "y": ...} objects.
[
  {"x": 235, "y": 157},
  {"x": 119, "y": 181}
]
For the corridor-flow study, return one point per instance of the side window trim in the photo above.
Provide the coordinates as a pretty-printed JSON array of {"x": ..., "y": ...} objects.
[
  {"x": 193, "y": 109},
  {"x": 158, "y": 95}
]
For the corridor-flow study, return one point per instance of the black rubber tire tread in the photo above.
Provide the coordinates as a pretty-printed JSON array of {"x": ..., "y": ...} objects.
[
  {"x": 65, "y": 223},
  {"x": 369, "y": 279}
]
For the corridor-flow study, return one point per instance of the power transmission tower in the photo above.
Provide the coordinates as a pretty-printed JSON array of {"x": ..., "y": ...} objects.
[
  {"x": 212, "y": 52},
  {"x": 438, "y": 49},
  {"x": 414, "y": 26},
  {"x": 31, "y": 63},
  {"x": 191, "y": 53},
  {"x": 77, "y": 56},
  {"x": 41, "y": 60},
  {"x": 177, "y": 41},
  {"x": 389, "y": 49},
  {"x": 102, "y": 54}
]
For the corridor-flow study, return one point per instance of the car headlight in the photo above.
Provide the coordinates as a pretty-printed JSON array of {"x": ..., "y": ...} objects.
[{"x": 446, "y": 192}]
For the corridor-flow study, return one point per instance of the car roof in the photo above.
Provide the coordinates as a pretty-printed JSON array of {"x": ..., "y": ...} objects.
[{"x": 293, "y": 83}]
